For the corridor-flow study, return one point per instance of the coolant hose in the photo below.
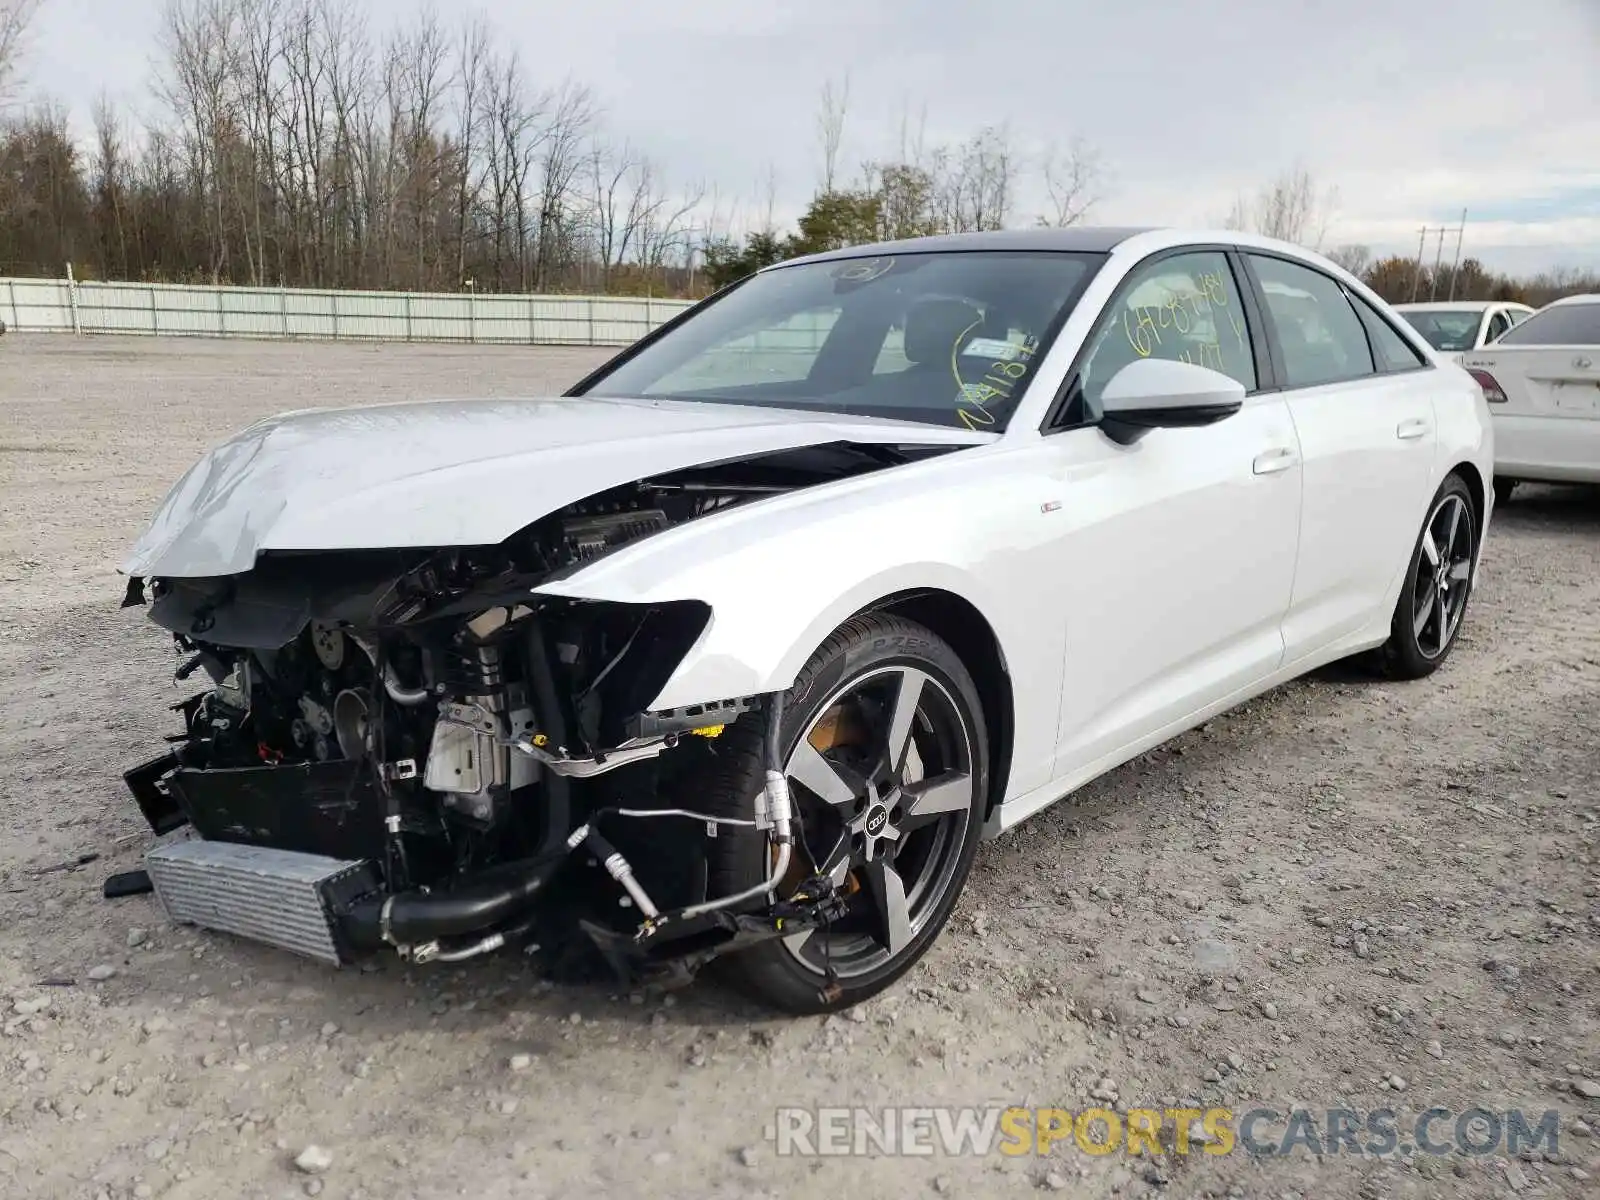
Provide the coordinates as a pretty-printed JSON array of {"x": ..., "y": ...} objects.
[
  {"x": 547, "y": 707},
  {"x": 486, "y": 900},
  {"x": 775, "y": 732}
]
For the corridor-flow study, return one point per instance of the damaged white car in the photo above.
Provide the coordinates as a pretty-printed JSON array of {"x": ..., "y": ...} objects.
[{"x": 738, "y": 650}]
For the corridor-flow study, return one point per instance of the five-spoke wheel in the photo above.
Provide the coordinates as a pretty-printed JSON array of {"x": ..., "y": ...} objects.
[
  {"x": 1433, "y": 601},
  {"x": 887, "y": 760},
  {"x": 884, "y": 830}
]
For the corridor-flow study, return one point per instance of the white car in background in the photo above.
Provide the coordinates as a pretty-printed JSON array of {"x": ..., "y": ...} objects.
[
  {"x": 1542, "y": 381},
  {"x": 1457, "y": 326}
]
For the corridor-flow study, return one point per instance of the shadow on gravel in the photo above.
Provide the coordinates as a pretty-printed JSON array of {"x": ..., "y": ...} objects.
[{"x": 1573, "y": 508}]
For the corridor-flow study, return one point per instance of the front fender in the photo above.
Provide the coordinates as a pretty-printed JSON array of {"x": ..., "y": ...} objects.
[
  {"x": 768, "y": 613},
  {"x": 781, "y": 574}
]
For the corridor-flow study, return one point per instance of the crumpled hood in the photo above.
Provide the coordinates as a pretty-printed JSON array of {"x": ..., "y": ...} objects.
[{"x": 453, "y": 472}]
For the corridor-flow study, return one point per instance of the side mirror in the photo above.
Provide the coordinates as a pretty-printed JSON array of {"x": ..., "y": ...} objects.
[{"x": 1160, "y": 393}]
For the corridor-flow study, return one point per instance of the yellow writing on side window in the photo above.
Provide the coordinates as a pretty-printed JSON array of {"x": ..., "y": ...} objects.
[
  {"x": 1203, "y": 354},
  {"x": 1141, "y": 329},
  {"x": 1175, "y": 315},
  {"x": 1216, "y": 291},
  {"x": 1143, "y": 325},
  {"x": 1238, "y": 330}
]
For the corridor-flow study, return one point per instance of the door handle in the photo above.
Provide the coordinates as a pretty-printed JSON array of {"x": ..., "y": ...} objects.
[
  {"x": 1413, "y": 428},
  {"x": 1269, "y": 462}
]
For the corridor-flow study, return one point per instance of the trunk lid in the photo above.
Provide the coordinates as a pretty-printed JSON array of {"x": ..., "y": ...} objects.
[{"x": 1543, "y": 381}]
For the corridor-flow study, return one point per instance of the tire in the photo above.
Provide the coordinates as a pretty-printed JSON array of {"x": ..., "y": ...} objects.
[
  {"x": 1428, "y": 614},
  {"x": 1503, "y": 488},
  {"x": 849, "y": 684}
]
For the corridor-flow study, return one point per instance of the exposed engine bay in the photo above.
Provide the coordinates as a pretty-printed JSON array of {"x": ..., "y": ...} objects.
[{"x": 405, "y": 749}]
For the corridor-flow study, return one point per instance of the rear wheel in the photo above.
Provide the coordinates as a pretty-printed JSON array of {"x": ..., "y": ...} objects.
[
  {"x": 887, "y": 760},
  {"x": 1433, "y": 600},
  {"x": 1503, "y": 488}
]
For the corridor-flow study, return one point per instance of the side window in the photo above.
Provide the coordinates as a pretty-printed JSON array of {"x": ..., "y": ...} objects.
[
  {"x": 1498, "y": 324},
  {"x": 1392, "y": 351},
  {"x": 783, "y": 352},
  {"x": 1321, "y": 338},
  {"x": 1184, "y": 307}
]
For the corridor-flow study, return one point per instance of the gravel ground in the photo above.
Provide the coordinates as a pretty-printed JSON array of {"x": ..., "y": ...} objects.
[{"x": 1348, "y": 894}]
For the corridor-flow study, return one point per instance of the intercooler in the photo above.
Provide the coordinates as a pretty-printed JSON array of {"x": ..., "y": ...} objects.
[{"x": 280, "y": 897}]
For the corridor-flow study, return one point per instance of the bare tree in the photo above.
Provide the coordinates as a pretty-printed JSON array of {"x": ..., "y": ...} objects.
[
  {"x": 15, "y": 16},
  {"x": 830, "y": 128},
  {"x": 1291, "y": 208},
  {"x": 979, "y": 181},
  {"x": 472, "y": 54},
  {"x": 1353, "y": 258},
  {"x": 768, "y": 188},
  {"x": 571, "y": 119},
  {"x": 110, "y": 185},
  {"x": 416, "y": 79},
  {"x": 347, "y": 60},
  {"x": 613, "y": 222},
  {"x": 665, "y": 223},
  {"x": 1071, "y": 183},
  {"x": 201, "y": 40},
  {"x": 508, "y": 118}
]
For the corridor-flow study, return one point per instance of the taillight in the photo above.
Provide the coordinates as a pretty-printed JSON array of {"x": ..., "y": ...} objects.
[{"x": 1492, "y": 391}]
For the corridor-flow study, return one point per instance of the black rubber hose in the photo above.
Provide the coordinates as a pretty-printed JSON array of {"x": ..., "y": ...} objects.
[
  {"x": 775, "y": 732},
  {"x": 547, "y": 705},
  {"x": 477, "y": 906}
]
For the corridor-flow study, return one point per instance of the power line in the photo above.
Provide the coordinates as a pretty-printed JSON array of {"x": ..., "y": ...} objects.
[{"x": 1460, "y": 231}]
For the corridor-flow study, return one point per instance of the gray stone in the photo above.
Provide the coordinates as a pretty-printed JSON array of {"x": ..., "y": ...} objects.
[{"x": 314, "y": 1160}]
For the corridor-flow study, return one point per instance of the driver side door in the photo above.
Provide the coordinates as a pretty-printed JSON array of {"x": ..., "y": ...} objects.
[{"x": 1181, "y": 552}]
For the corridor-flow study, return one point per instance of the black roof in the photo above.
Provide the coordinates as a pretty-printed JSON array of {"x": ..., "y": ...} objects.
[{"x": 1086, "y": 239}]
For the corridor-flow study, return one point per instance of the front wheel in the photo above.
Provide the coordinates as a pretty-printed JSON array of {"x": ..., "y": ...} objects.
[
  {"x": 888, "y": 764},
  {"x": 1438, "y": 582}
]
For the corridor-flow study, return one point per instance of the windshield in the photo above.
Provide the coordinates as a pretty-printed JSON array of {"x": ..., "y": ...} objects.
[
  {"x": 941, "y": 337},
  {"x": 1447, "y": 329},
  {"x": 1558, "y": 325}
]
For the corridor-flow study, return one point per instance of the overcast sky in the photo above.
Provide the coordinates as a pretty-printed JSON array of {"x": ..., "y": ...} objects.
[{"x": 1413, "y": 109}]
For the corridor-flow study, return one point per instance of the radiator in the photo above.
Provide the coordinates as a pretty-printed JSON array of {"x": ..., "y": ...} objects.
[{"x": 279, "y": 897}]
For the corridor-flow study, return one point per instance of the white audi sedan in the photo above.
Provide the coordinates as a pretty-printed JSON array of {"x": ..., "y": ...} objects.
[{"x": 745, "y": 643}]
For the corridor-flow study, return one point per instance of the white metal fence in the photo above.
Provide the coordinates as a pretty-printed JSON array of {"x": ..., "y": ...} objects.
[{"x": 173, "y": 310}]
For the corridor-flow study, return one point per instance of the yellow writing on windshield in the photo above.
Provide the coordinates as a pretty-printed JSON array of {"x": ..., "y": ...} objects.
[{"x": 998, "y": 384}]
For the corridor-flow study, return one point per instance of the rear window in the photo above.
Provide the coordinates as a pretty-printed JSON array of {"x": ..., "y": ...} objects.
[{"x": 1560, "y": 325}]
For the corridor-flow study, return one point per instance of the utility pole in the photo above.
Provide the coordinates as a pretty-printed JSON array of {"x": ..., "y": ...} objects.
[
  {"x": 1416, "y": 276},
  {"x": 1455, "y": 271},
  {"x": 1438, "y": 261}
]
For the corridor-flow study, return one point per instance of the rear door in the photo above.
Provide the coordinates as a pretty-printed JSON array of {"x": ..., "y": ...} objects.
[
  {"x": 1543, "y": 384},
  {"x": 1362, "y": 402}
]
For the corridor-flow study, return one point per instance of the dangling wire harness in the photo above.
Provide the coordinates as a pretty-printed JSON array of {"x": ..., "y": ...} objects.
[{"x": 774, "y": 816}]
